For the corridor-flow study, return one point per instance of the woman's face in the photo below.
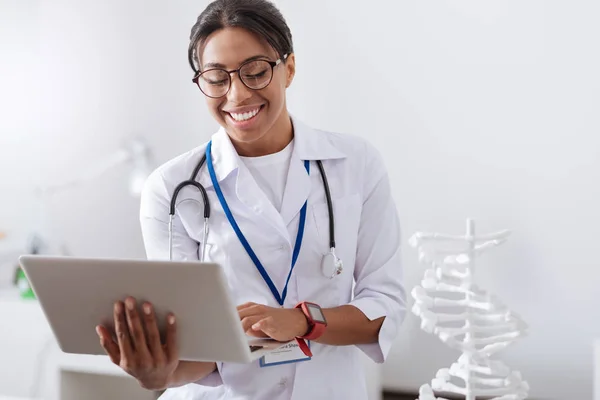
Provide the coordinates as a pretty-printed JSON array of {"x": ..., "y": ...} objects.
[{"x": 247, "y": 115}]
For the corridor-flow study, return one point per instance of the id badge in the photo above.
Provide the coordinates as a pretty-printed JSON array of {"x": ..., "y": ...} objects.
[{"x": 289, "y": 353}]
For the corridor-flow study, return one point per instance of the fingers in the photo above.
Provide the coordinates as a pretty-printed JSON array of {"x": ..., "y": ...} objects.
[
  {"x": 109, "y": 345},
  {"x": 171, "y": 346},
  {"x": 265, "y": 325},
  {"x": 138, "y": 349},
  {"x": 249, "y": 309},
  {"x": 257, "y": 334},
  {"x": 122, "y": 332},
  {"x": 247, "y": 322},
  {"x": 252, "y": 313},
  {"x": 136, "y": 330},
  {"x": 153, "y": 335},
  {"x": 245, "y": 305}
]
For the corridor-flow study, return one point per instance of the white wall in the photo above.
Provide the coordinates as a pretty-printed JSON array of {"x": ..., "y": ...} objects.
[
  {"x": 104, "y": 71},
  {"x": 481, "y": 109}
]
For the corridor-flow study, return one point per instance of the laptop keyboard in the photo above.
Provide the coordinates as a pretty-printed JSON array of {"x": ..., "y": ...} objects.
[{"x": 254, "y": 348}]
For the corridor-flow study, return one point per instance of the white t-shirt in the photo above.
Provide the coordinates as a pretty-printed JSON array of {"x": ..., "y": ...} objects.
[{"x": 270, "y": 173}]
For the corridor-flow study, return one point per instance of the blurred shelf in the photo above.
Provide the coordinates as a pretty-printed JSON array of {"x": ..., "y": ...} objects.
[{"x": 99, "y": 365}]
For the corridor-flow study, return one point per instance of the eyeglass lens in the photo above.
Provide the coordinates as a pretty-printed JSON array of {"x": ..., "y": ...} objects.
[{"x": 255, "y": 75}]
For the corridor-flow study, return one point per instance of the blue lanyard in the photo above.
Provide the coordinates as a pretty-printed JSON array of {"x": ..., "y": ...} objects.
[{"x": 280, "y": 298}]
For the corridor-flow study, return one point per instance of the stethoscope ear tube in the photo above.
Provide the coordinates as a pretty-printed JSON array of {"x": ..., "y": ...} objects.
[
  {"x": 190, "y": 182},
  {"x": 198, "y": 167},
  {"x": 336, "y": 262},
  {"x": 200, "y": 188}
]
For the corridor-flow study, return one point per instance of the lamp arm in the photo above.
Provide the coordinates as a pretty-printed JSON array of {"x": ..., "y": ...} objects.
[{"x": 120, "y": 157}]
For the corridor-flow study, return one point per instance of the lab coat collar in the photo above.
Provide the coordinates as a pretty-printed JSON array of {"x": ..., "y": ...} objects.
[
  {"x": 224, "y": 157},
  {"x": 309, "y": 144}
]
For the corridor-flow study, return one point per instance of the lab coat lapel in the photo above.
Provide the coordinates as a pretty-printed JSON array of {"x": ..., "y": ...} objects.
[
  {"x": 225, "y": 161},
  {"x": 250, "y": 194},
  {"x": 297, "y": 189},
  {"x": 224, "y": 158},
  {"x": 311, "y": 145}
]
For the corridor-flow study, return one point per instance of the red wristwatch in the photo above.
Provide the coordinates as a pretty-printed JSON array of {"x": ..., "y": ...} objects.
[{"x": 316, "y": 325}]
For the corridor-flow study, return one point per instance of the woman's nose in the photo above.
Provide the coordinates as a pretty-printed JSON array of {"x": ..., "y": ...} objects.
[{"x": 238, "y": 91}]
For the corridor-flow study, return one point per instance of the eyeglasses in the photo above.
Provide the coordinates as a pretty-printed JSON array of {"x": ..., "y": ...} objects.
[{"x": 254, "y": 74}]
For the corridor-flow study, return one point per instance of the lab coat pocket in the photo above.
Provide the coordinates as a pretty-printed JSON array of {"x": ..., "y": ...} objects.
[
  {"x": 346, "y": 213},
  {"x": 208, "y": 257}
]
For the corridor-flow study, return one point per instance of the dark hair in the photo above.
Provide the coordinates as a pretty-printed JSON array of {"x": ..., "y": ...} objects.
[{"x": 260, "y": 17}]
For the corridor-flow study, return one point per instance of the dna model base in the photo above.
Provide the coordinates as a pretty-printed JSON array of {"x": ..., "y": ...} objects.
[{"x": 465, "y": 318}]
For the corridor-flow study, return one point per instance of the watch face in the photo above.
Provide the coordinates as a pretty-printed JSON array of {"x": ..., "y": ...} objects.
[{"x": 315, "y": 313}]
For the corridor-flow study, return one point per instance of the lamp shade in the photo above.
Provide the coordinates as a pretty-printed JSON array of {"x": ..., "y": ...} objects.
[{"x": 140, "y": 158}]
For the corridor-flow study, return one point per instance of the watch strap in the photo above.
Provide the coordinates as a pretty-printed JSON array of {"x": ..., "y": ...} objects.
[
  {"x": 304, "y": 347},
  {"x": 315, "y": 329}
]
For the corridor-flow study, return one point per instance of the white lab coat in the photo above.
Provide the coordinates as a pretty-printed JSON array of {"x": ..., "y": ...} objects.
[{"x": 367, "y": 237}]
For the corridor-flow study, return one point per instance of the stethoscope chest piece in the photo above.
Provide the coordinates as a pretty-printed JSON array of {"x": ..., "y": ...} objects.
[{"x": 331, "y": 265}]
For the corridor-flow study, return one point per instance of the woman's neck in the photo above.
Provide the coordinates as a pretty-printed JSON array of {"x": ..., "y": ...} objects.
[{"x": 275, "y": 140}]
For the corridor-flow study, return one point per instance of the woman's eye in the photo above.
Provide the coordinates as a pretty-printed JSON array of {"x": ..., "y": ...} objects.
[
  {"x": 216, "y": 83},
  {"x": 256, "y": 75}
]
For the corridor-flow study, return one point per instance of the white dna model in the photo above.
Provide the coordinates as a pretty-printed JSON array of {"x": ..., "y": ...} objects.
[{"x": 465, "y": 318}]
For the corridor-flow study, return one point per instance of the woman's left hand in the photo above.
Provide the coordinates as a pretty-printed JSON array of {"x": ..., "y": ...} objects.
[{"x": 281, "y": 324}]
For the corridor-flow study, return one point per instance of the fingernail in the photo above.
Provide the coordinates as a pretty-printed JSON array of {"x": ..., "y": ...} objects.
[
  {"x": 147, "y": 309},
  {"x": 98, "y": 331},
  {"x": 118, "y": 307},
  {"x": 171, "y": 319},
  {"x": 256, "y": 327},
  {"x": 130, "y": 304}
]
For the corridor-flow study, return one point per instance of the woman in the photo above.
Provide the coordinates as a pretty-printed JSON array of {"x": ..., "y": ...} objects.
[{"x": 267, "y": 166}]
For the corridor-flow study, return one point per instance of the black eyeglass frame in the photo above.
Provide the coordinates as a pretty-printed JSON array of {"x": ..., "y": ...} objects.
[{"x": 273, "y": 64}]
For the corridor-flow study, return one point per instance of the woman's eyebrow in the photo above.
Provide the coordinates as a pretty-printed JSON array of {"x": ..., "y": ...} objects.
[{"x": 219, "y": 65}]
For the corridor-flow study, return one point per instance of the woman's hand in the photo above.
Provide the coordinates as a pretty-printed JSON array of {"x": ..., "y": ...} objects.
[
  {"x": 138, "y": 349},
  {"x": 281, "y": 324}
]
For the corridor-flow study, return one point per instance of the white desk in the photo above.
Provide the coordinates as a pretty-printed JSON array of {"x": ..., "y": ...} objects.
[
  {"x": 15, "y": 398},
  {"x": 95, "y": 377},
  {"x": 32, "y": 365},
  {"x": 28, "y": 352}
]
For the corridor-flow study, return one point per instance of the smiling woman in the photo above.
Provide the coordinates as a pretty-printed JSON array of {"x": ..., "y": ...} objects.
[
  {"x": 289, "y": 202},
  {"x": 243, "y": 66}
]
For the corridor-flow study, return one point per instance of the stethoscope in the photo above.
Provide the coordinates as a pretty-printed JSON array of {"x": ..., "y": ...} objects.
[{"x": 331, "y": 264}]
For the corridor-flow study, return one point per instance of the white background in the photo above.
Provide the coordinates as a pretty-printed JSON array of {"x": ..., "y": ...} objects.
[{"x": 483, "y": 109}]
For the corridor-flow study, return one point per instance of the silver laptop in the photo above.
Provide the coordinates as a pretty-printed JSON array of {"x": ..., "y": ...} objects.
[{"x": 76, "y": 294}]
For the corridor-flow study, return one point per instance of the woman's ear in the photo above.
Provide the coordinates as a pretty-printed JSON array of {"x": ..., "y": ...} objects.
[{"x": 290, "y": 69}]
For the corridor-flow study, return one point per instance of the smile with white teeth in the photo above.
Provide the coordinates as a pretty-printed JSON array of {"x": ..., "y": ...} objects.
[{"x": 245, "y": 116}]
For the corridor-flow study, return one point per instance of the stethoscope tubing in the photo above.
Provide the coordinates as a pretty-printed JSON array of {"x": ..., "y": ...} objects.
[{"x": 193, "y": 182}]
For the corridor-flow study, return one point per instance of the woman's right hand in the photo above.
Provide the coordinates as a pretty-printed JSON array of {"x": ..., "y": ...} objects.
[{"x": 138, "y": 349}]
